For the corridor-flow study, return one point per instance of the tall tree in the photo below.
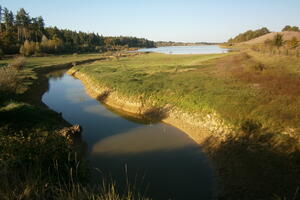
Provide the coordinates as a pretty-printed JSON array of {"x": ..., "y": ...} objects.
[
  {"x": 8, "y": 19},
  {"x": 22, "y": 22},
  {"x": 0, "y": 18}
]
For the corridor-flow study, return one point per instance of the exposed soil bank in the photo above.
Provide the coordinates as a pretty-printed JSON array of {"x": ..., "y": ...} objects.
[
  {"x": 198, "y": 127},
  {"x": 255, "y": 165}
]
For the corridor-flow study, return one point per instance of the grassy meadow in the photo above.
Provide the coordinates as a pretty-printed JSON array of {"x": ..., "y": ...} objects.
[
  {"x": 238, "y": 86},
  {"x": 256, "y": 93}
]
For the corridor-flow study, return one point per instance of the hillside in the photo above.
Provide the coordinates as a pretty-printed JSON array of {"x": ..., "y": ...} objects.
[{"x": 287, "y": 35}]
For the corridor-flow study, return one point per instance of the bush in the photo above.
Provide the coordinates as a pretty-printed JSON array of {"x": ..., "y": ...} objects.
[
  {"x": 1, "y": 54},
  {"x": 250, "y": 126},
  {"x": 8, "y": 79},
  {"x": 18, "y": 63},
  {"x": 29, "y": 48},
  {"x": 278, "y": 40}
]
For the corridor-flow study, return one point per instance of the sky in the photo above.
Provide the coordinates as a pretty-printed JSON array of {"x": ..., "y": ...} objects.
[{"x": 166, "y": 20}]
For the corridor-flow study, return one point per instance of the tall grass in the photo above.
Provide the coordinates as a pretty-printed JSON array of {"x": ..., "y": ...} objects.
[{"x": 8, "y": 79}]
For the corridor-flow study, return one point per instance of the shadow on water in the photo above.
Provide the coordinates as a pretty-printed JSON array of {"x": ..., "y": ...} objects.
[
  {"x": 160, "y": 159},
  {"x": 151, "y": 173}
]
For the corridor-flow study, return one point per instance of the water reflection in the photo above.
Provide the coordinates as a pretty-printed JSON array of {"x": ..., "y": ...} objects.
[
  {"x": 141, "y": 140},
  {"x": 159, "y": 158},
  {"x": 203, "y": 49}
]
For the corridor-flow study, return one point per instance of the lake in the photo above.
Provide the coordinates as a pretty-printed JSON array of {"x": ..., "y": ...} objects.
[
  {"x": 203, "y": 49},
  {"x": 159, "y": 160}
]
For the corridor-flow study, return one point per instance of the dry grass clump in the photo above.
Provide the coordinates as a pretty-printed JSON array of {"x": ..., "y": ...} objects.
[
  {"x": 18, "y": 63},
  {"x": 9, "y": 75},
  {"x": 8, "y": 79}
]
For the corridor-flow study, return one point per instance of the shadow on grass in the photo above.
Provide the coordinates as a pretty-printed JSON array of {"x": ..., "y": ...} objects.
[
  {"x": 257, "y": 165},
  {"x": 22, "y": 116}
]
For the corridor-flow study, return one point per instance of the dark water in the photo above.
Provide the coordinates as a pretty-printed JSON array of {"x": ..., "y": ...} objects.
[
  {"x": 158, "y": 159},
  {"x": 203, "y": 49}
]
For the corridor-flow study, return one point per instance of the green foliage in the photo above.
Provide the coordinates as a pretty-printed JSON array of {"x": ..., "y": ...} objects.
[
  {"x": 291, "y": 28},
  {"x": 22, "y": 31},
  {"x": 236, "y": 87},
  {"x": 1, "y": 53},
  {"x": 248, "y": 35},
  {"x": 278, "y": 40}
]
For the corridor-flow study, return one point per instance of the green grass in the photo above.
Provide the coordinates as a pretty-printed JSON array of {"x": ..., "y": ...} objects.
[
  {"x": 246, "y": 89},
  {"x": 29, "y": 73},
  {"x": 34, "y": 62},
  {"x": 36, "y": 162},
  {"x": 203, "y": 84}
]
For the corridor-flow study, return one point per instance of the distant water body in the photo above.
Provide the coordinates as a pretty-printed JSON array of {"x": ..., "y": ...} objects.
[{"x": 203, "y": 49}]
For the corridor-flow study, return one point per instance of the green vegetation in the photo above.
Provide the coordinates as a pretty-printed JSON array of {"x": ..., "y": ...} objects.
[
  {"x": 248, "y": 35},
  {"x": 19, "y": 33},
  {"x": 291, "y": 28},
  {"x": 36, "y": 160},
  {"x": 237, "y": 86},
  {"x": 258, "y": 94}
]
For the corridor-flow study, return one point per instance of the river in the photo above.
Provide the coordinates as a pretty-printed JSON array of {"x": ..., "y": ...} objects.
[{"x": 157, "y": 159}]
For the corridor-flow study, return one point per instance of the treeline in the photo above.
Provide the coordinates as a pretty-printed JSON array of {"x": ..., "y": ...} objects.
[
  {"x": 20, "y": 33},
  {"x": 248, "y": 35},
  {"x": 291, "y": 28}
]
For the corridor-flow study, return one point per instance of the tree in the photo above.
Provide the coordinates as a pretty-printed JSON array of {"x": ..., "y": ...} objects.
[
  {"x": 248, "y": 35},
  {"x": 0, "y": 19},
  {"x": 278, "y": 40},
  {"x": 22, "y": 22},
  {"x": 291, "y": 28},
  {"x": 8, "y": 19}
]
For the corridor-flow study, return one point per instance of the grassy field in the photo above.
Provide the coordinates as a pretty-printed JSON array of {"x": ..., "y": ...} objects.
[
  {"x": 247, "y": 89},
  {"x": 258, "y": 94},
  {"x": 29, "y": 73},
  {"x": 238, "y": 86}
]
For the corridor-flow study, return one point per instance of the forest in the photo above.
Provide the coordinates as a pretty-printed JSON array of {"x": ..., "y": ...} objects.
[{"x": 21, "y": 33}]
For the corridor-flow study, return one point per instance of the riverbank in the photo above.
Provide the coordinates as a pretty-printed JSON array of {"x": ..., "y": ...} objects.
[
  {"x": 243, "y": 148},
  {"x": 38, "y": 158}
]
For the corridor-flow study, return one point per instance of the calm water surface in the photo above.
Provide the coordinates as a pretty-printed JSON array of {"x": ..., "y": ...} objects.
[
  {"x": 158, "y": 159},
  {"x": 204, "y": 49}
]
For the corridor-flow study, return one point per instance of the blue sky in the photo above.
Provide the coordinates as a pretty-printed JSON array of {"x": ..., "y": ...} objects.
[{"x": 176, "y": 20}]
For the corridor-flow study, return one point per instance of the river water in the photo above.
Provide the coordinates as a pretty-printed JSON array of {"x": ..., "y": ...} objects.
[
  {"x": 203, "y": 49},
  {"x": 159, "y": 160}
]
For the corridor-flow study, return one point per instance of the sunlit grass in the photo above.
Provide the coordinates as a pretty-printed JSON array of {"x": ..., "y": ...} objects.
[{"x": 206, "y": 83}]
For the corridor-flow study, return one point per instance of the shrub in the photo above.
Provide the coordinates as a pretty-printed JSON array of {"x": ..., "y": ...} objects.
[
  {"x": 250, "y": 126},
  {"x": 1, "y": 54},
  {"x": 278, "y": 40},
  {"x": 28, "y": 48},
  {"x": 8, "y": 79},
  {"x": 51, "y": 46},
  {"x": 18, "y": 63}
]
